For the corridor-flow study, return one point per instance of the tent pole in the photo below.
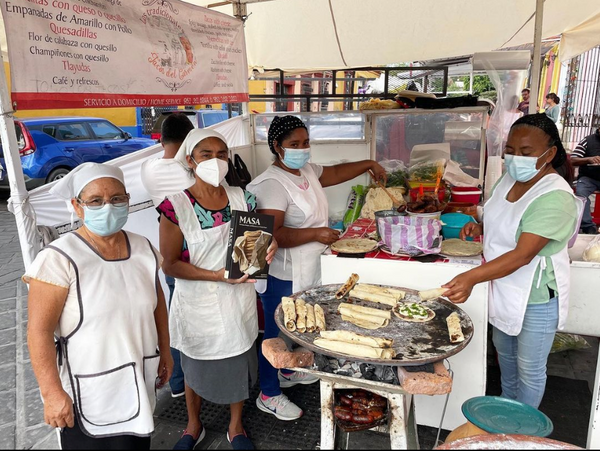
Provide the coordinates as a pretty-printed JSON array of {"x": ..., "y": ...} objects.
[
  {"x": 537, "y": 57},
  {"x": 471, "y": 78},
  {"x": 14, "y": 170}
]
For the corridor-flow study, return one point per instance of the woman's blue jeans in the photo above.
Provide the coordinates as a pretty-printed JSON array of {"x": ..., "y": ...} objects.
[
  {"x": 176, "y": 382},
  {"x": 523, "y": 358},
  {"x": 276, "y": 288}
]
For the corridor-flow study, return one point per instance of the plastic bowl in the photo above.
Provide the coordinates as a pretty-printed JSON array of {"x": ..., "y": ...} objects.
[
  {"x": 452, "y": 224},
  {"x": 472, "y": 196}
]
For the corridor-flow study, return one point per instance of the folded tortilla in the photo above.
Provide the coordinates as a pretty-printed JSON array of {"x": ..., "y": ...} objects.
[
  {"x": 351, "y": 337},
  {"x": 366, "y": 321},
  {"x": 344, "y": 308},
  {"x": 454, "y": 328},
  {"x": 398, "y": 294},
  {"x": 374, "y": 297},
  {"x": 310, "y": 318},
  {"x": 429, "y": 295},
  {"x": 300, "y": 315},
  {"x": 355, "y": 350},
  {"x": 320, "y": 318},
  {"x": 347, "y": 286},
  {"x": 289, "y": 313}
]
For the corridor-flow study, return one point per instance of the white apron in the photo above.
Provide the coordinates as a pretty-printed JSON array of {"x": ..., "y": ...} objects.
[
  {"x": 210, "y": 320},
  {"x": 509, "y": 295},
  {"x": 306, "y": 259},
  {"x": 107, "y": 349}
]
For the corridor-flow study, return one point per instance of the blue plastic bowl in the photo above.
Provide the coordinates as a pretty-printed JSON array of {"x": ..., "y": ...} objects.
[{"x": 453, "y": 224}]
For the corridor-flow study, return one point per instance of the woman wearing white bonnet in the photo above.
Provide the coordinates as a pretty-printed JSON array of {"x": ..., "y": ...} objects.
[
  {"x": 95, "y": 293},
  {"x": 213, "y": 321}
]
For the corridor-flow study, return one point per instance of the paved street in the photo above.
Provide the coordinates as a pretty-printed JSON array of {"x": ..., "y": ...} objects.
[{"x": 21, "y": 416}]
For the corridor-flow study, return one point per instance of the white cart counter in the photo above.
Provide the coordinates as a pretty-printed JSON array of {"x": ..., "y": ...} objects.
[
  {"x": 584, "y": 311},
  {"x": 469, "y": 365}
]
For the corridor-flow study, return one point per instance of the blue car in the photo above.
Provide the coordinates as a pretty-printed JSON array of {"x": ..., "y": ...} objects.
[{"x": 51, "y": 146}]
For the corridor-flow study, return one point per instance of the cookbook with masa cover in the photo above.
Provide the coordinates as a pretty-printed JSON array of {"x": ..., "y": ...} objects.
[{"x": 249, "y": 238}]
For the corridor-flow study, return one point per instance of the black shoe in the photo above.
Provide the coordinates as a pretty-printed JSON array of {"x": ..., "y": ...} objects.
[
  {"x": 592, "y": 230},
  {"x": 187, "y": 441}
]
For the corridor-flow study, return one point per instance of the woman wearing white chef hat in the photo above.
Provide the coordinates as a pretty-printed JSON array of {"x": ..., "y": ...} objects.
[
  {"x": 213, "y": 320},
  {"x": 95, "y": 292}
]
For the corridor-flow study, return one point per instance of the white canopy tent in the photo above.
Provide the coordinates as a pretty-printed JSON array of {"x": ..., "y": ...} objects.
[{"x": 353, "y": 33}]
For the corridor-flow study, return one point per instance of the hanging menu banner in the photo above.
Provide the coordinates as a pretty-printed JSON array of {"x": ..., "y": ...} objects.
[{"x": 122, "y": 53}]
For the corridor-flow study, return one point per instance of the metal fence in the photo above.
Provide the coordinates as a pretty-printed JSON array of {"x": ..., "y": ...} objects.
[
  {"x": 581, "y": 106},
  {"x": 347, "y": 87},
  {"x": 149, "y": 116}
]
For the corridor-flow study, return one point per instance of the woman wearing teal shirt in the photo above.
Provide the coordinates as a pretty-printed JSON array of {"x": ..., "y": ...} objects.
[
  {"x": 528, "y": 221},
  {"x": 552, "y": 109}
]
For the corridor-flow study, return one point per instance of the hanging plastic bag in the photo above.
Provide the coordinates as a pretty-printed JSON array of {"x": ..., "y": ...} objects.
[
  {"x": 356, "y": 200},
  {"x": 242, "y": 170}
]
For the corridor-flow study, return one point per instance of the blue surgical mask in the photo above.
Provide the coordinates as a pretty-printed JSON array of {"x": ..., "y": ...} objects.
[
  {"x": 523, "y": 169},
  {"x": 296, "y": 158},
  {"x": 106, "y": 221}
]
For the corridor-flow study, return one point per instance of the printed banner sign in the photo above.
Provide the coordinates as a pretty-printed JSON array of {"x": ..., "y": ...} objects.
[{"x": 122, "y": 53}]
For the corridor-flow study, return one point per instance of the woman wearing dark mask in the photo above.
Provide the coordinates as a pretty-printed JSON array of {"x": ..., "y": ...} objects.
[
  {"x": 528, "y": 221},
  {"x": 291, "y": 190},
  {"x": 213, "y": 320},
  {"x": 97, "y": 291}
]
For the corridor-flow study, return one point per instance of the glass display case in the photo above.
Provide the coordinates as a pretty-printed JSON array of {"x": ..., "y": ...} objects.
[{"x": 461, "y": 131}]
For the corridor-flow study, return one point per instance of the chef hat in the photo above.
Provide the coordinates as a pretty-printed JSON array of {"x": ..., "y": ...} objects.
[
  {"x": 192, "y": 139},
  {"x": 73, "y": 183}
]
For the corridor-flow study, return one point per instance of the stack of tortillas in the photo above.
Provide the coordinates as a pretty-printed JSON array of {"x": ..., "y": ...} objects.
[
  {"x": 459, "y": 248},
  {"x": 345, "y": 342},
  {"x": 354, "y": 246},
  {"x": 365, "y": 317}
]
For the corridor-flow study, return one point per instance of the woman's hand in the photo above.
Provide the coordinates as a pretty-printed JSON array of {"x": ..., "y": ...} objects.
[
  {"x": 272, "y": 250},
  {"x": 220, "y": 277},
  {"x": 58, "y": 409},
  {"x": 327, "y": 236},
  {"x": 165, "y": 369},
  {"x": 459, "y": 288},
  {"x": 379, "y": 173},
  {"x": 471, "y": 230}
]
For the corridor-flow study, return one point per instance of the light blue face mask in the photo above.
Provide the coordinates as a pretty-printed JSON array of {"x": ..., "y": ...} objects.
[
  {"x": 523, "y": 169},
  {"x": 106, "y": 221},
  {"x": 296, "y": 158}
]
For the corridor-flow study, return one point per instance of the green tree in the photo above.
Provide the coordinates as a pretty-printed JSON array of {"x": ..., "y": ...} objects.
[{"x": 481, "y": 83}]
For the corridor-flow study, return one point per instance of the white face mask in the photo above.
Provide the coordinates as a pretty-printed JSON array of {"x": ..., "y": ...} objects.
[{"x": 212, "y": 171}]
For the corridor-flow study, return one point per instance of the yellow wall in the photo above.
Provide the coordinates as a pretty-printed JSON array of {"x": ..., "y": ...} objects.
[{"x": 257, "y": 87}]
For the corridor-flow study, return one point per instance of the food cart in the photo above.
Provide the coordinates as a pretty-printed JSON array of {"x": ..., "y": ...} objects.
[
  {"x": 388, "y": 134},
  {"x": 392, "y": 134}
]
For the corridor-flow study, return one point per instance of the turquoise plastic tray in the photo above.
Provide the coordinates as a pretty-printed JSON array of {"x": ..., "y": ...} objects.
[{"x": 506, "y": 416}]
